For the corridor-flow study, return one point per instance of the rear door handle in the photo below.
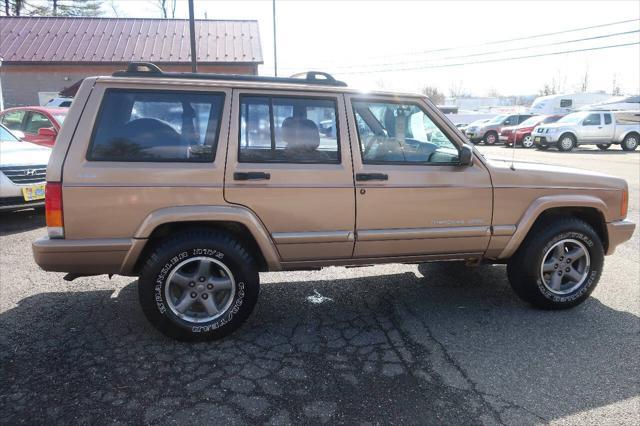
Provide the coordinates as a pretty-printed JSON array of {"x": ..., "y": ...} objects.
[
  {"x": 251, "y": 176},
  {"x": 371, "y": 176}
]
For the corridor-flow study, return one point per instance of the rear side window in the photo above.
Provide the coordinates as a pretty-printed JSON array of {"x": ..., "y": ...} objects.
[
  {"x": 288, "y": 130},
  {"x": 607, "y": 119},
  {"x": 566, "y": 103},
  {"x": 155, "y": 126}
]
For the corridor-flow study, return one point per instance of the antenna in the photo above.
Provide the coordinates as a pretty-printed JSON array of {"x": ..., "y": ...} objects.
[{"x": 513, "y": 153}]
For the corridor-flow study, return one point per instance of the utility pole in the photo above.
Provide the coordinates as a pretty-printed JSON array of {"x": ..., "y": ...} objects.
[
  {"x": 192, "y": 31},
  {"x": 275, "y": 50}
]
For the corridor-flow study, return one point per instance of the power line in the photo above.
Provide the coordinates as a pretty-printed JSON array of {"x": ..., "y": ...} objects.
[
  {"x": 492, "y": 60},
  {"x": 493, "y": 42},
  {"x": 471, "y": 55}
]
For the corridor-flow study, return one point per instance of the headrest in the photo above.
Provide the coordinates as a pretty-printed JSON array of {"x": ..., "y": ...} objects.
[{"x": 300, "y": 133}]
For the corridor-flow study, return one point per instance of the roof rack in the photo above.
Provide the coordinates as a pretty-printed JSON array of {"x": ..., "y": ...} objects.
[{"x": 147, "y": 69}]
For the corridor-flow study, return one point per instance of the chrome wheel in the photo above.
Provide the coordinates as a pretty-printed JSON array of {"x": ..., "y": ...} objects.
[
  {"x": 491, "y": 139},
  {"x": 200, "y": 289},
  {"x": 565, "y": 266},
  {"x": 527, "y": 141}
]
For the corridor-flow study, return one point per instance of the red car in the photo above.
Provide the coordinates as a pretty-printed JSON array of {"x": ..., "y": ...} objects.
[
  {"x": 40, "y": 125},
  {"x": 521, "y": 133}
]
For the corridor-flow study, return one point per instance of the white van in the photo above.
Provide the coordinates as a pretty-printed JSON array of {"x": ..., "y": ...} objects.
[{"x": 566, "y": 103}]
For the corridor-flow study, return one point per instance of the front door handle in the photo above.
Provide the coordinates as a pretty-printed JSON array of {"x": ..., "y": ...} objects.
[
  {"x": 371, "y": 176},
  {"x": 251, "y": 176}
]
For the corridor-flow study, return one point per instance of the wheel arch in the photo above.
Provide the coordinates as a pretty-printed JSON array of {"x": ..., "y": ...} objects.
[
  {"x": 236, "y": 220},
  {"x": 570, "y": 133},
  {"x": 630, "y": 132},
  {"x": 588, "y": 208}
]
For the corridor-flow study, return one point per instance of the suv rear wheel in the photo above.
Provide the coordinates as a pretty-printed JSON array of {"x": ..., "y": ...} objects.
[
  {"x": 558, "y": 264},
  {"x": 198, "y": 285}
]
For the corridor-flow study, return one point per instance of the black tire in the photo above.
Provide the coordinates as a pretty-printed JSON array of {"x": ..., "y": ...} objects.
[
  {"x": 603, "y": 146},
  {"x": 630, "y": 142},
  {"x": 525, "y": 266},
  {"x": 542, "y": 147},
  {"x": 490, "y": 138},
  {"x": 563, "y": 145},
  {"x": 218, "y": 248}
]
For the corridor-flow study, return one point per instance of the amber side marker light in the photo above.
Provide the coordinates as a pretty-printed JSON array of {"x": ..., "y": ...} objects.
[
  {"x": 624, "y": 204},
  {"x": 53, "y": 208}
]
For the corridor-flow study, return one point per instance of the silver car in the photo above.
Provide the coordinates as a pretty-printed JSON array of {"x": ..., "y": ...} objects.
[
  {"x": 601, "y": 128},
  {"x": 23, "y": 169}
]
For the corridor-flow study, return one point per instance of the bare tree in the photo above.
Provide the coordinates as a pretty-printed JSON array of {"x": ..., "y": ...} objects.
[
  {"x": 167, "y": 7},
  {"x": 456, "y": 90},
  {"x": 432, "y": 92},
  {"x": 615, "y": 87},
  {"x": 584, "y": 85},
  {"x": 493, "y": 93}
]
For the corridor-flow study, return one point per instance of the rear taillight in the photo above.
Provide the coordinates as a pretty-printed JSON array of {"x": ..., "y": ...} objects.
[
  {"x": 53, "y": 207},
  {"x": 624, "y": 205}
]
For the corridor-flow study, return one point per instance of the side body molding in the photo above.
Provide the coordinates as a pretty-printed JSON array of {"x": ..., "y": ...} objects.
[
  {"x": 544, "y": 203},
  {"x": 213, "y": 213}
]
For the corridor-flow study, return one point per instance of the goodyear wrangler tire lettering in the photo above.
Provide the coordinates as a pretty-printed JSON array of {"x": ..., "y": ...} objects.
[
  {"x": 198, "y": 285},
  {"x": 558, "y": 265}
]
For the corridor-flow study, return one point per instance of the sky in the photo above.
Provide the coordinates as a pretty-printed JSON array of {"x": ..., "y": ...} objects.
[{"x": 407, "y": 45}]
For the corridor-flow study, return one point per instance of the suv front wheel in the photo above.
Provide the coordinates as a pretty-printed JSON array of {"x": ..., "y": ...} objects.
[
  {"x": 198, "y": 285},
  {"x": 558, "y": 265}
]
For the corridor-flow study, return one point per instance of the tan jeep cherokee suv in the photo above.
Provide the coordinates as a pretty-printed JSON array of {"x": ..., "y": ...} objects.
[{"x": 196, "y": 183}]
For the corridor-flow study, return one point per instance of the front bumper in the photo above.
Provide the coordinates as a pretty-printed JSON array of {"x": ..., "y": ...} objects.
[
  {"x": 18, "y": 203},
  {"x": 545, "y": 138},
  {"x": 619, "y": 232}
]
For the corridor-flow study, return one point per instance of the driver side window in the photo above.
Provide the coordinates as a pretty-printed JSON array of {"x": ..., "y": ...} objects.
[{"x": 400, "y": 133}]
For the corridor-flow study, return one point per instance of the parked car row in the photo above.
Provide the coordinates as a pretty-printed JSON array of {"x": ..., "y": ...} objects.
[{"x": 600, "y": 128}]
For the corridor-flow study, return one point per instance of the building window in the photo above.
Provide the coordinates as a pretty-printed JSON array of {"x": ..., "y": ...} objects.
[{"x": 157, "y": 126}]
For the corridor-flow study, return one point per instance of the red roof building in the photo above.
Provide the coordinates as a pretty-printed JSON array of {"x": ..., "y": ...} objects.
[{"x": 41, "y": 56}]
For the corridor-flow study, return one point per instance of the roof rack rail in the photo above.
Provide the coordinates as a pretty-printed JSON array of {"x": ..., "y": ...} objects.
[{"x": 148, "y": 69}]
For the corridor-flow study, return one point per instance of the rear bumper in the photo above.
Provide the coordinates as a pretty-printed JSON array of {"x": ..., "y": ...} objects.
[
  {"x": 96, "y": 256},
  {"x": 619, "y": 232}
]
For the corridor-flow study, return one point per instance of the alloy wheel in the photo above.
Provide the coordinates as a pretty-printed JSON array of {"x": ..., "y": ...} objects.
[
  {"x": 565, "y": 266},
  {"x": 200, "y": 289},
  {"x": 527, "y": 142}
]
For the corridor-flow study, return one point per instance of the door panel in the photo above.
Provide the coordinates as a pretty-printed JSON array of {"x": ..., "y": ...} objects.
[
  {"x": 426, "y": 208},
  {"x": 309, "y": 206}
]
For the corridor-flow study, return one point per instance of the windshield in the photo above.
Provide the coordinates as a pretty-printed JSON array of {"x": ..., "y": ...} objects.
[
  {"x": 6, "y": 136},
  {"x": 498, "y": 119},
  {"x": 529, "y": 122},
  {"x": 573, "y": 118},
  {"x": 60, "y": 116}
]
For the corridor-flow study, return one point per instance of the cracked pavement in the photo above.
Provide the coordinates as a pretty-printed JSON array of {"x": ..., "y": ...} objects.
[{"x": 411, "y": 344}]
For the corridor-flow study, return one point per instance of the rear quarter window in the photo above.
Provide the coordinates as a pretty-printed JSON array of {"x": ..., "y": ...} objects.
[{"x": 157, "y": 126}]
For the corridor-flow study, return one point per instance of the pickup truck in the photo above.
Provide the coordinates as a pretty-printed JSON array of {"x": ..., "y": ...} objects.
[{"x": 602, "y": 128}]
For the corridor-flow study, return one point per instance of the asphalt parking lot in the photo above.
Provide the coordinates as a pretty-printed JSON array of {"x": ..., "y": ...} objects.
[{"x": 415, "y": 344}]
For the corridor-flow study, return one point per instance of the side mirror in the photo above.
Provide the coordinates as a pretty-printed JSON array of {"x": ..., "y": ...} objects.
[
  {"x": 48, "y": 132},
  {"x": 466, "y": 155}
]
